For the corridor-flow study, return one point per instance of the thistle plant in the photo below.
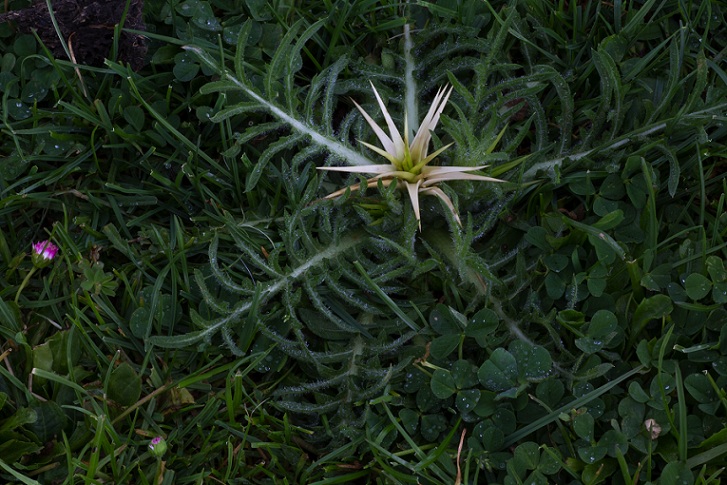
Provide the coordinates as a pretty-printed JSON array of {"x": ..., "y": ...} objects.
[{"x": 410, "y": 161}]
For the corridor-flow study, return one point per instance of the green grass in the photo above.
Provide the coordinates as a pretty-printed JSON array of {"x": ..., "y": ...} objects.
[{"x": 571, "y": 331}]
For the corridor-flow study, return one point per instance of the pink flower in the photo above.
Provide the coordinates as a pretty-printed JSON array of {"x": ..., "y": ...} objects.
[{"x": 43, "y": 253}]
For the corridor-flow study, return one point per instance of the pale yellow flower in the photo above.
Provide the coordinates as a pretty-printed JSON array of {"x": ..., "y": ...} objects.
[{"x": 409, "y": 162}]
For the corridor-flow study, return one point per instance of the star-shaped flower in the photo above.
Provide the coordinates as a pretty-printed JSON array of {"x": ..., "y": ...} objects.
[{"x": 409, "y": 162}]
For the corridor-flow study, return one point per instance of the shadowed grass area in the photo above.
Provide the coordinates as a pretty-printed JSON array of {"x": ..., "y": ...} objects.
[{"x": 570, "y": 330}]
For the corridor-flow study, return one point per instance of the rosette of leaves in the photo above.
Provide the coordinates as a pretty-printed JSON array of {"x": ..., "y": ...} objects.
[
  {"x": 338, "y": 288},
  {"x": 320, "y": 303}
]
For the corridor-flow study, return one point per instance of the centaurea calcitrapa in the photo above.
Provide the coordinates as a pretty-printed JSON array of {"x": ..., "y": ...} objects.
[{"x": 409, "y": 161}]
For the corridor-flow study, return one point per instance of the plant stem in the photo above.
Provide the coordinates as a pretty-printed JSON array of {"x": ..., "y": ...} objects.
[{"x": 24, "y": 283}]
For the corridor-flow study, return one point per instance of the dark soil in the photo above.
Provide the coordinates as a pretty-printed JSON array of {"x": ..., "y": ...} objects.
[{"x": 87, "y": 27}]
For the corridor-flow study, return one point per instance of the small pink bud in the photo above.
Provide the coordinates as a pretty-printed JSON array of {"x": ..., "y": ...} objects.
[
  {"x": 43, "y": 253},
  {"x": 158, "y": 446}
]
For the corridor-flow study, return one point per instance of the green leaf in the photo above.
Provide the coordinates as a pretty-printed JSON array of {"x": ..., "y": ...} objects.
[
  {"x": 432, "y": 426},
  {"x": 674, "y": 169},
  {"x": 11, "y": 318},
  {"x": 140, "y": 322},
  {"x": 676, "y": 473},
  {"x": 716, "y": 269},
  {"x": 581, "y": 401},
  {"x": 443, "y": 384},
  {"x": 637, "y": 393},
  {"x": 556, "y": 262},
  {"x": 61, "y": 349},
  {"x": 464, "y": 374},
  {"x": 499, "y": 372},
  {"x": 582, "y": 186},
  {"x": 185, "y": 68},
  {"x": 527, "y": 456},
  {"x": 492, "y": 438},
  {"x": 259, "y": 9},
  {"x": 207, "y": 21},
  {"x": 482, "y": 325},
  {"x": 615, "y": 442},
  {"x": 410, "y": 420},
  {"x": 537, "y": 236},
  {"x": 583, "y": 426},
  {"x": 677, "y": 292},
  {"x": 487, "y": 404},
  {"x": 603, "y": 323},
  {"x": 533, "y": 361},
  {"x": 443, "y": 321},
  {"x": 19, "y": 418},
  {"x": 643, "y": 352},
  {"x": 656, "y": 307},
  {"x": 719, "y": 293},
  {"x": 596, "y": 286},
  {"x": 613, "y": 187},
  {"x": 124, "y": 385},
  {"x": 610, "y": 220},
  {"x": 25, "y": 45},
  {"x": 700, "y": 388},
  {"x": 697, "y": 286},
  {"x": 14, "y": 449},
  {"x": 720, "y": 366},
  {"x": 7, "y": 62},
  {"x": 603, "y": 206},
  {"x": 134, "y": 115},
  {"x": 589, "y": 345},
  {"x": 658, "y": 278},
  {"x": 600, "y": 331},
  {"x": 50, "y": 422},
  {"x": 662, "y": 384},
  {"x": 554, "y": 285},
  {"x": 592, "y": 454},
  {"x": 444, "y": 345},
  {"x": 606, "y": 246},
  {"x": 467, "y": 400},
  {"x": 550, "y": 461},
  {"x": 572, "y": 318},
  {"x": 43, "y": 357},
  {"x": 550, "y": 391}
]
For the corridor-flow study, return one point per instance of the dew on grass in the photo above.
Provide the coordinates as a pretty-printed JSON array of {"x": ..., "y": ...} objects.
[
  {"x": 720, "y": 366},
  {"x": 19, "y": 110},
  {"x": 590, "y": 459},
  {"x": 592, "y": 454},
  {"x": 209, "y": 23},
  {"x": 53, "y": 149},
  {"x": 185, "y": 8},
  {"x": 230, "y": 35}
]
